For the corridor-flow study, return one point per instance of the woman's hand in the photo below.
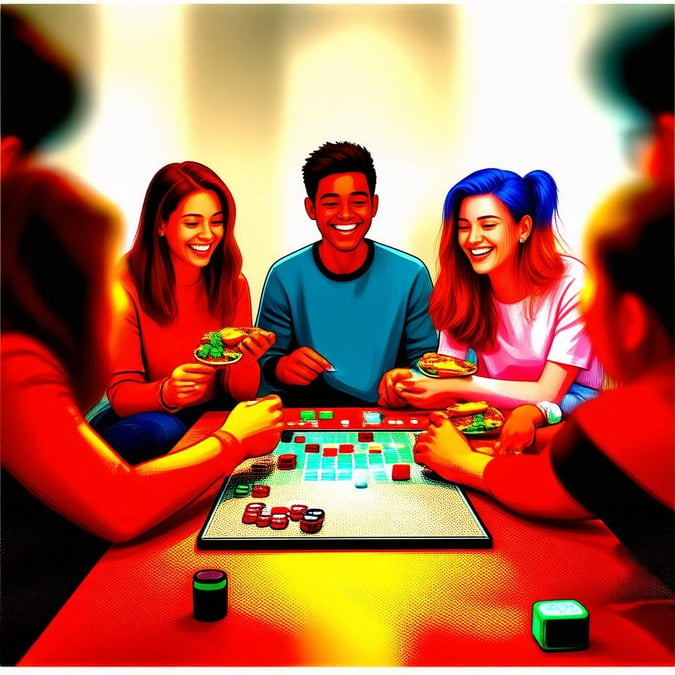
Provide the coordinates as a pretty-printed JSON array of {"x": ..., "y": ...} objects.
[
  {"x": 188, "y": 384},
  {"x": 388, "y": 395},
  {"x": 429, "y": 393},
  {"x": 257, "y": 424},
  {"x": 447, "y": 452},
  {"x": 519, "y": 430}
]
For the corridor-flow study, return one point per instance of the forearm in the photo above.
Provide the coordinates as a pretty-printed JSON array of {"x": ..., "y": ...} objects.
[
  {"x": 129, "y": 397},
  {"x": 528, "y": 485},
  {"x": 242, "y": 381},
  {"x": 504, "y": 394}
]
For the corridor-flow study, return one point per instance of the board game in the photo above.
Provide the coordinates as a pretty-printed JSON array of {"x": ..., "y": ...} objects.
[{"x": 342, "y": 481}]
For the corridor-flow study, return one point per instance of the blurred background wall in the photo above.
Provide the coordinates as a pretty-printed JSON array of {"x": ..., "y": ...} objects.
[{"x": 433, "y": 91}]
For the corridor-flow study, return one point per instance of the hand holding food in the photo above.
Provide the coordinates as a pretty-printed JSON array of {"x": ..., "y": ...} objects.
[
  {"x": 475, "y": 417},
  {"x": 188, "y": 384}
]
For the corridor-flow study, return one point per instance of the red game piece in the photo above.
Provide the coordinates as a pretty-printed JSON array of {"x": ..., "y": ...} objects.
[
  {"x": 365, "y": 436},
  {"x": 264, "y": 518},
  {"x": 250, "y": 517},
  {"x": 297, "y": 511},
  {"x": 312, "y": 447},
  {"x": 346, "y": 447},
  {"x": 400, "y": 472},
  {"x": 330, "y": 452},
  {"x": 311, "y": 524},
  {"x": 299, "y": 439},
  {"x": 279, "y": 521},
  {"x": 260, "y": 491},
  {"x": 287, "y": 462},
  {"x": 280, "y": 509}
]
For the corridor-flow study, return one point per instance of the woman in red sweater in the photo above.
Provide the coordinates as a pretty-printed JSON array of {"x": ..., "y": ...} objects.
[{"x": 181, "y": 279}]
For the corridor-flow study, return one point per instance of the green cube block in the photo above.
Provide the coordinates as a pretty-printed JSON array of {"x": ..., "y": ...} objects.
[
  {"x": 306, "y": 415},
  {"x": 325, "y": 414},
  {"x": 560, "y": 625}
]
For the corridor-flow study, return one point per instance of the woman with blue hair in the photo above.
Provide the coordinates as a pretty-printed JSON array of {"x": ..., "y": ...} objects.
[{"x": 507, "y": 296}]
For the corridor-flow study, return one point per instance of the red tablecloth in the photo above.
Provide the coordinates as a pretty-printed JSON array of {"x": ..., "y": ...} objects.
[{"x": 349, "y": 608}]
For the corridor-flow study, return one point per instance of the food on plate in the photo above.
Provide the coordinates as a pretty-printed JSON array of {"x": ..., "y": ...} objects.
[
  {"x": 486, "y": 422},
  {"x": 445, "y": 365}
]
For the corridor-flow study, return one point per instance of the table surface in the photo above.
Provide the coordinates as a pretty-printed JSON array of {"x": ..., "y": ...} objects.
[{"x": 362, "y": 608}]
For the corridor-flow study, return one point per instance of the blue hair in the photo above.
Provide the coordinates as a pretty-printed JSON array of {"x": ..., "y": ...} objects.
[{"x": 535, "y": 194}]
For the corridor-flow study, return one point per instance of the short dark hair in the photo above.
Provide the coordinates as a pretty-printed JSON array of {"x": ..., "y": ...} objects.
[{"x": 339, "y": 157}]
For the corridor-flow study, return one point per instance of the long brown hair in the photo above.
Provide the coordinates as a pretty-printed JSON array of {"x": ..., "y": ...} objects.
[
  {"x": 149, "y": 260},
  {"x": 461, "y": 302}
]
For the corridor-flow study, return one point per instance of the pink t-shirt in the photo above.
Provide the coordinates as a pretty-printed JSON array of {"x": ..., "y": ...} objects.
[{"x": 555, "y": 333}]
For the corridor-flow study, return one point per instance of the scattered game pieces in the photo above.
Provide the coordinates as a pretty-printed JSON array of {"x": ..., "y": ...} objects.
[
  {"x": 264, "y": 518},
  {"x": 242, "y": 490},
  {"x": 560, "y": 625},
  {"x": 209, "y": 595},
  {"x": 297, "y": 511}
]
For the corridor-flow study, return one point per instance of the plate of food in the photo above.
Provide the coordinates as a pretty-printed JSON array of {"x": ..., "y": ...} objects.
[
  {"x": 220, "y": 347},
  {"x": 444, "y": 365},
  {"x": 475, "y": 418}
]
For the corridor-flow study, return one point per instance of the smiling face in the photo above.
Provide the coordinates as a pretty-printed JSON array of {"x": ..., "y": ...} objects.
[
  {"x": 194, "y": 229},
  {"x": 343, "y": 209},
  {"x": 488, "y": 235}
]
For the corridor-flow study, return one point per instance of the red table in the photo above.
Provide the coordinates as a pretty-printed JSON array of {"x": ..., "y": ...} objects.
[{"x": 365, "y": 608}]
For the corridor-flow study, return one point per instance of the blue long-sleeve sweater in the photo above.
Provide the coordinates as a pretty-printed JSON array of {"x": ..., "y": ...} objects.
[{"x": 363, "y": 323}]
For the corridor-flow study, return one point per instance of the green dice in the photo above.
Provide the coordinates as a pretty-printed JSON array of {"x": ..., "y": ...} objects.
[{"x": 560, "y": 625}]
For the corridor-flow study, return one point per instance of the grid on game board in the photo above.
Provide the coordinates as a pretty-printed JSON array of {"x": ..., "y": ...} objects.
[{"x": 343, "y": 456}]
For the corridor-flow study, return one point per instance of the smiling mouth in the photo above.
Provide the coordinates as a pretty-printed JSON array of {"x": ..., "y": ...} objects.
[
  {"x": 200, "y": 248},
  {"x": 480, "y": 252},
  {"x": 345, "y": 228}
]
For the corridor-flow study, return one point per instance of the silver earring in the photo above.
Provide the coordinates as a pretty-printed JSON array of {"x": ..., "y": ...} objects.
[{"x": 522, "y": 240}]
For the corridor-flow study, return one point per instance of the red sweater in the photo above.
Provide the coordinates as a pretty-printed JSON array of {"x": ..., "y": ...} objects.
[{"x": 144, "y": 352}]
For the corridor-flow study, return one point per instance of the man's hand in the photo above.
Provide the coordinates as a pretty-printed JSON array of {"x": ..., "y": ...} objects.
[{"x": 301, "y": 367}]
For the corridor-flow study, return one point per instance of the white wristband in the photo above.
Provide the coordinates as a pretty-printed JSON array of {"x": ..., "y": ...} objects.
[{"x": 551, "y": 411}]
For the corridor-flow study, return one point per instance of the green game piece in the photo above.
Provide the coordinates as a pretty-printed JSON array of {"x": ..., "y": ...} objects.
[
  {"x": 560, "y": 625},
  {"x": 325, "y": 415},
  {"x": 306, "y": 415}
]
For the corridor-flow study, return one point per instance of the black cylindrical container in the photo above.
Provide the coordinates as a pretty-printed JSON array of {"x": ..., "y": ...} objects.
[{"x": 209, "y": 595}]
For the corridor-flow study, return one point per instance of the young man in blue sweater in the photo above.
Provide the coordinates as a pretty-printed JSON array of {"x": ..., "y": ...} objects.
[{"x": 345, "y": 310}]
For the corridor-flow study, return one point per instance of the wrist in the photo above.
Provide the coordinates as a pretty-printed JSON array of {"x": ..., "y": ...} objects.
[
  {"x": 551, "y": 412},
  {"x": 162, "y": 400}
]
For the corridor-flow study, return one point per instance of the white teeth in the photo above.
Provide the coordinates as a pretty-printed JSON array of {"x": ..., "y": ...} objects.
[
  {"x": 345, "y": 228},
  {"x": 480, "y": 251},
  {"x": 200, "y": 248}
]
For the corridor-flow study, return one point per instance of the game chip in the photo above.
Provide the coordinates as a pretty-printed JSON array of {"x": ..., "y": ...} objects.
[
  {"x": 209, "y": 595},
  {"x": 560, "y": 625},
  {"x": 365, "y": 436},
  {"x": 264, "y": 518},
  {"x": 279, "y": 521},
  {"x": 260, "y": 491},
  {"x": 297, "y": 511}
]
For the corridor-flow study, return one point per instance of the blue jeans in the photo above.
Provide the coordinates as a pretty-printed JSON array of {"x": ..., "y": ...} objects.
[
  {"x": 576, "y": 395},
  {"x": 139, "y": 437}
]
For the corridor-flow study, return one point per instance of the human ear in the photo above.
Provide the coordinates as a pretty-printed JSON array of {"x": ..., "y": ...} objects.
[
  {"x": 632, "y": 320},
  {"x": 376, "y": 203},
  {"x": 309, "y": 208},
  {"x": 524, "y": 228}
]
